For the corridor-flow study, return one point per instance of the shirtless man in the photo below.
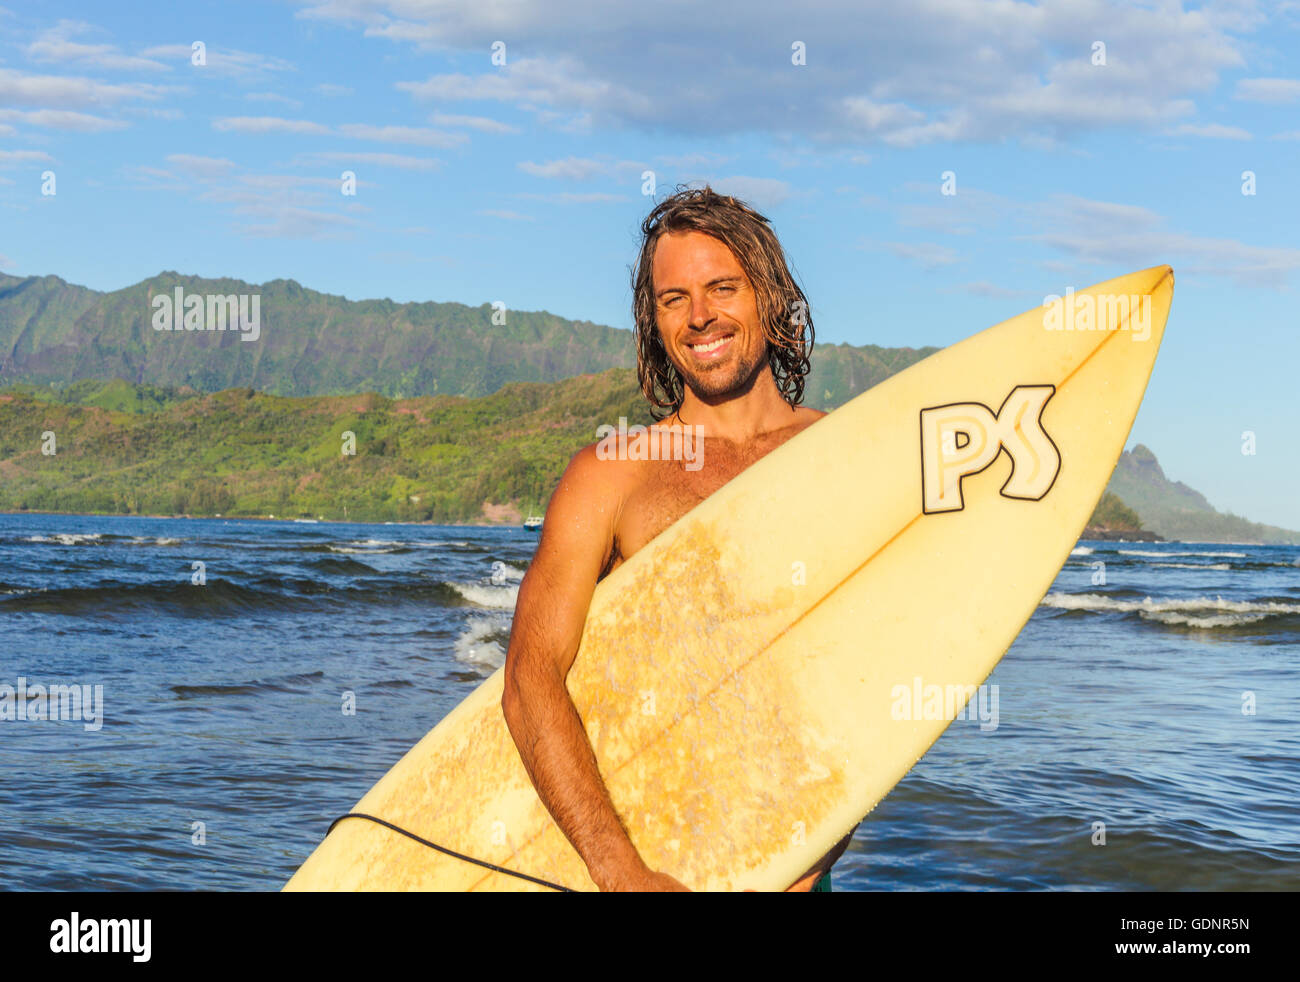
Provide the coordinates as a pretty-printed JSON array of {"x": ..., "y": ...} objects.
[{"x": 723, "y": 337}]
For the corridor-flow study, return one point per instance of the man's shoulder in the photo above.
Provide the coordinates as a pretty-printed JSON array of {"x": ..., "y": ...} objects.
[
  {"x": 805, "y": 416},
  {"x": 594, "y": 472}
]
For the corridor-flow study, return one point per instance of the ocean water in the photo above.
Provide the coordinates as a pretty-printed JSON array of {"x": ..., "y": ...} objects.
[{"x": 1162, "y": 703}]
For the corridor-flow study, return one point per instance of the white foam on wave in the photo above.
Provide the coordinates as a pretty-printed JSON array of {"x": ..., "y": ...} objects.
[
  {"x": 1213, "y": 621},
  {"x": 1165, "y": 555},
  {"x": 379, "y": 546},
  {"x": 1218, "y": 566},
  {"x": 480, "y": 643},
  {"x": 1080, "y": 551},
  {"x": 492, "y": 597},
  {"x": 1205, "y": 612},
  {"x": 161, "y": 540},
  {"x": 66, "y": 538}
]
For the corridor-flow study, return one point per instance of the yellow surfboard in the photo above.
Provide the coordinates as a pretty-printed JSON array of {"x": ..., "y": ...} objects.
[{"x": 760, "y": 675}]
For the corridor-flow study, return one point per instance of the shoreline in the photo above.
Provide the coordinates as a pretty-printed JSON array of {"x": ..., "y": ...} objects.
[
  {"x": 1098, "y": 534},
  {"x": 263, "y": 518},
  {"x": 1088, "y": 534}
]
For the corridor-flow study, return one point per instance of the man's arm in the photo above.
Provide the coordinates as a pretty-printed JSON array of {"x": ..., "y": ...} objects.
[{"x": 577, "y": 537}]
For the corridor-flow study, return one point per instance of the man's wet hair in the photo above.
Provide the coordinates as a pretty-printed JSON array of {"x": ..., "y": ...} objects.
[{"x": 750, "y": 237}]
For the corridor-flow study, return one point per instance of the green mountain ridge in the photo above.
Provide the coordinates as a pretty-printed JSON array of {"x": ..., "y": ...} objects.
[
  {"x": 313, "y": 344},
  {"x": 1175, "y": 511}
]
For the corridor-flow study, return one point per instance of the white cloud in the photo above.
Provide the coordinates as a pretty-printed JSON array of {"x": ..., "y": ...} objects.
[
  {"x": 533, "y": 82},
  {"x": 56, "y": 45},
  {"x": 20, "y": 158},
  {"x": 346, "y": 159},
  {"x": 1105, "y": 233},
  {"x": 402, "y": 134},
  {"x": 569, "y": 169},
  {"x": 300, "y": 223},
  {"x": 354, "y": 131},
  {"x": 299, "y": 184},
  {"x": 1214, "y": 131},
  {"x": 242, "y": 65},
  {"x": 201, "y": 167},
  {"x": 64, "y": 92},
  {"x": 481, "y": 123},
  {"x": 329, "y": 89},
  {"x": 870, "y": 116},
  {"x": 155, "y": 179},
  {"x": 930, "y": 71},
  {"x": 152, "y": 112},
  {"x": 1278, "y": 90},
  {"x": 269, "y": 124},
  {"x": 1134, "y": 237},
  {"x": 287, "y": 206},
  {"x": 61, "y": 119}
]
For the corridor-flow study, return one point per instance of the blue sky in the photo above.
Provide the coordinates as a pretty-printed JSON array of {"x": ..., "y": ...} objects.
[{"x": 522, "y": 181}]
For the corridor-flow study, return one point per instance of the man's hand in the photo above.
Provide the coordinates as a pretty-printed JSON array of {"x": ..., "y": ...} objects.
[{"x": 642, "y": 880}]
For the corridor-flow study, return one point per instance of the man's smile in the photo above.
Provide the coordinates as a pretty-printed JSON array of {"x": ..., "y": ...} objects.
[{"x": 712, "y": 348}]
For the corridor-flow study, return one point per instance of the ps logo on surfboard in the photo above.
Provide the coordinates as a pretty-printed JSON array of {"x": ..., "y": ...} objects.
[{"x": 964, "y": 438}]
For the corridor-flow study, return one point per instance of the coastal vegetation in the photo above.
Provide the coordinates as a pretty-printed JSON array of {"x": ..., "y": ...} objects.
[{"x": 125, "y": 449}]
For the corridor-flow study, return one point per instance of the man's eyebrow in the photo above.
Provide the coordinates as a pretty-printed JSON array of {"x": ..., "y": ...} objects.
[{"x": 713, "y": 282}]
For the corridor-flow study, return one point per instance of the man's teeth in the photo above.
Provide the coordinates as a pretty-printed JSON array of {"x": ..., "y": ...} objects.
[{"x": 711, "y": 346}]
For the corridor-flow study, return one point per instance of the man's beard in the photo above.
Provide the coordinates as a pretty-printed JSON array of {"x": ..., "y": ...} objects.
[{"x": 721, "y": 380}]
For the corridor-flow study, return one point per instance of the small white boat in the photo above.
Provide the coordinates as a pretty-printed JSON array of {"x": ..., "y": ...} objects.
[{"x": 533, "y": 523}]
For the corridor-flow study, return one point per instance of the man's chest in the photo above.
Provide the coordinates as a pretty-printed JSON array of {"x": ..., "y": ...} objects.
[{"x": 669, "y": 490}]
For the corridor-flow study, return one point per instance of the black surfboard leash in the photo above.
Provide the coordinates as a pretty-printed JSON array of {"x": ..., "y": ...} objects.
[{"x": 450, "y": 852}]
